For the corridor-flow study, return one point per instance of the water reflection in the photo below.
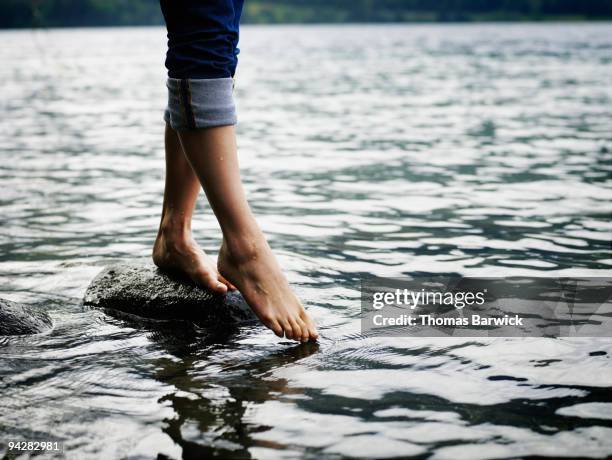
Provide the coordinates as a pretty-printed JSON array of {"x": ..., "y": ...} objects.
[{"x": 209, "y": 405}]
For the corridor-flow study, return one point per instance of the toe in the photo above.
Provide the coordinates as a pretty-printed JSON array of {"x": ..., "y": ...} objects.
[
  {"x": 221, "y": 288},
  {"x": 297, "y": 330},
  {"x": 212, "y": 283},
  {"x": 287, "y": 329},
  {"x": 312, "y": 329},
  {"x": 217, "y": 286},
  {"x": 229, "y": 285},
  {"x": 276, "y": 328},
  {"x": 305, "y": 332}
]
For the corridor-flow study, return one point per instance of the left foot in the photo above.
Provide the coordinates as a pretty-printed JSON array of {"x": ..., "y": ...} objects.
[
  {"x": 182, "y": 253},
  {"x": 251, "y": 265}
]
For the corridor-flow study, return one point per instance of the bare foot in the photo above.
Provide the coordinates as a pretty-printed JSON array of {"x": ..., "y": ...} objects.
[
  {"x": 252, "y": 267},
  {"x": 183, "y": 254}
]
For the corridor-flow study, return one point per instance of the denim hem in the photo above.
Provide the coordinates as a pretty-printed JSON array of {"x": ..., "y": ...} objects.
[{"x": 200, "y": 103}]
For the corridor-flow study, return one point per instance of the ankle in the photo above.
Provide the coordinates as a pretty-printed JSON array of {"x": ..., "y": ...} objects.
[
  {"x": 244, "y": 247},
  {"x": 174, "y": 229}
]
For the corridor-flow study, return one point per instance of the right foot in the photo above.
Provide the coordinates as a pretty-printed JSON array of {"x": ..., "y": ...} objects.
[
  {"x": 251, "y": 266},
  {"x": 183, "y": 254}
]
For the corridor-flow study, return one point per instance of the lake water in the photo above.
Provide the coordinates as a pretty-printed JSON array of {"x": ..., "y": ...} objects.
[{"x": 386, "y": 150}]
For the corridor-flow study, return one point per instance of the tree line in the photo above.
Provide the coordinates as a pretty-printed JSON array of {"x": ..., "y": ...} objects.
[{"x": 71, "y": 13}]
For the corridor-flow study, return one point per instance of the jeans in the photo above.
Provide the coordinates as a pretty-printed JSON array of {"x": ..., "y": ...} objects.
[{"x": 201, "y": 60}]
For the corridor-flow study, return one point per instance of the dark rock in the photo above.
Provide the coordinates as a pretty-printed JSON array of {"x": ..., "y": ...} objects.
[
  {"x": 17, "y": 319},
  {"x": 143, "y": 290}
]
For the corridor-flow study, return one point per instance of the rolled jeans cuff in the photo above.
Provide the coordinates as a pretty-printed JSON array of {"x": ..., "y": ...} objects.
[{"x": 200, "y": 103}]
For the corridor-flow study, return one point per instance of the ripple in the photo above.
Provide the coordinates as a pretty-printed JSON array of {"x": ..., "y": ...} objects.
[
  {"x": 464, "y": 149},
  {"x": 588, "y": 410}
]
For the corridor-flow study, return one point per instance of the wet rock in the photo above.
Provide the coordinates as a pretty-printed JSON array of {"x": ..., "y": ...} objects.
[
  {"x": 143, "y": 290},
  {"x": 17, "y": 319}
]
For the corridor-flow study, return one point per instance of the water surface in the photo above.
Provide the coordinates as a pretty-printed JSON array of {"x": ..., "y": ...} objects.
[{"x": 385, "y": 150}]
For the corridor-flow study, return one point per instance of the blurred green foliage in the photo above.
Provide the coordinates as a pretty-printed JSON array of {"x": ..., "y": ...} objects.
[{"x": 58, "y": 13}]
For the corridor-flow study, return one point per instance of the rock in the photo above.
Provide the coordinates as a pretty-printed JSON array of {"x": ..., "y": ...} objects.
[
  {"x": 143, "y": 290},
  {"x": 17, "y": 319}
]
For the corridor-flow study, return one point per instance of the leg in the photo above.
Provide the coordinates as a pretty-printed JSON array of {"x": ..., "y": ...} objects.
[
  {"x": 174, "y": 247},
  {"x": 201, "y": 61},
  {"x": 245, "y": 259}
]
